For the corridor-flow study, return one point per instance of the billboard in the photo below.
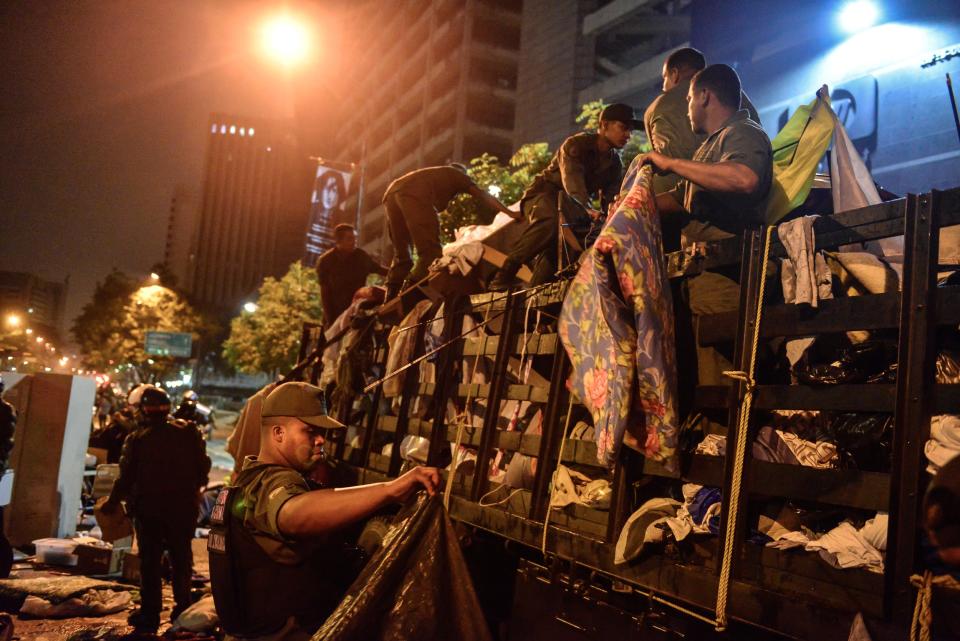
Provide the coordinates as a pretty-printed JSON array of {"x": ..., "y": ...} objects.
[
  {"x": 178, "y": 344},
  {"x": 330, "y": 190}
]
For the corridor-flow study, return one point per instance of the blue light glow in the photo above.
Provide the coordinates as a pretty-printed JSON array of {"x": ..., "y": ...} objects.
[{"x": 858, "y": 15}]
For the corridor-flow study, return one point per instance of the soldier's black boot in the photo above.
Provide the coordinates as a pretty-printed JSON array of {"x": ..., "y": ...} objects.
[{"x": 143, "y": 622}]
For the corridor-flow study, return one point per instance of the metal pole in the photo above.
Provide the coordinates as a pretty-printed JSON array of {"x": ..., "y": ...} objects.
[
  {"x": 953, "y": 103},
  {"x": 363, "y": 164}
]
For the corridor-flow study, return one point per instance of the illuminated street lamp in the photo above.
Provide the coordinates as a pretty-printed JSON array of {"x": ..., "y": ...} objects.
[
  {"x": 250, "y": 307},
  {"x": 286, "y": 40},
  {"x": 40, "y": 339},
  {"x": 857, "y": 15},
  {"x": 14, "y": 320},
  {"x": 28, "y": 331}
]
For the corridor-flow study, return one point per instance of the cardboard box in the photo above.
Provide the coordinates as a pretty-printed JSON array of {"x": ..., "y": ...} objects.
[
  {"x": 94, "y": 559},
  {"x": 131, "y": 567}
]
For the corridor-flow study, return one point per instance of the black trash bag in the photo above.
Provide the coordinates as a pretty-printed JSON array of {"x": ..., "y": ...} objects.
[
  {"x": 416, "y": 587},
  {"x": 863, "y": 439},
  {"x": 868, "y": 362}
]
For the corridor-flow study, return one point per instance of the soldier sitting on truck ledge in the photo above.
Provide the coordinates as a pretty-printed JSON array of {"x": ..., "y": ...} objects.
[
  {"x": 413, "y": 202},
  {"x": 272, "y": 545},
  {"x": 724, "y": 189},
  {"x": 586, "y": 164},
  {"x": 669, "y": 131}
]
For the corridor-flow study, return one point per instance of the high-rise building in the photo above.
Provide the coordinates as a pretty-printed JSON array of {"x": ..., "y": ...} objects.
[
  {"x": 576, "y": 51},
  {"x": 435, "y": 82},
  {"x": 37, "y": 301},
  {"x": 253, "y": 210},
  {"x": 179, "y": 251}
]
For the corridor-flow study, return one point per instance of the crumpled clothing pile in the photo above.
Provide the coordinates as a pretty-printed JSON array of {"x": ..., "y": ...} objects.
[
  {"x": 845, "y": 546},
  {"x": 944, "y": 441},
  {"x": 465, "y": 253},
  {"x": 572, "y": 487},
  {"x": 698, "y": 514}
]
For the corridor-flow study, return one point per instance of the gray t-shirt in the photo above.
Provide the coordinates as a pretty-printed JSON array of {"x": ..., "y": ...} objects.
[{"x": 739, "y": 140}]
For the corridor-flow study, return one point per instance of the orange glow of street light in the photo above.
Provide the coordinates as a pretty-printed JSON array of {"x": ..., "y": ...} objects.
[
  {"x": 286, "y": 39},
  {"x": 13, "y": 320}
]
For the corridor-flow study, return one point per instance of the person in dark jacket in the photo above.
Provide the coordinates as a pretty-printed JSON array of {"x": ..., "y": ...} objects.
[
  {"x": 341, "y": 271},
  {"x": 586, "y": 165},
  {"x": 163, "y": 467},
  {"x": 8, "y": 425}
]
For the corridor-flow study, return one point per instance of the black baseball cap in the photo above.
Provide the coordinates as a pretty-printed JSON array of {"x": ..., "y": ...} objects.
[{"x": 621, "y": 113}]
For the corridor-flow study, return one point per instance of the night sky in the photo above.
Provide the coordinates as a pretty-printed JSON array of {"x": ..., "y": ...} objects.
[{"x": 104, "y": 114}]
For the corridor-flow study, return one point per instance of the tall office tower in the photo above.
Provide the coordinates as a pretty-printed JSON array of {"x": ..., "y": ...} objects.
[
  {"x": 253, "y": 211},
  {"x": 435, "y": 82},
  {"x": 575, "y": 51},
  {"x": 179, "y": 251},
  {"x": 38, "y": 302}
]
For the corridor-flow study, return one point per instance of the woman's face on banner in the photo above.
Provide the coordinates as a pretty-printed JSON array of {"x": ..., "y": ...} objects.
[{"x": 330, "y": 195}]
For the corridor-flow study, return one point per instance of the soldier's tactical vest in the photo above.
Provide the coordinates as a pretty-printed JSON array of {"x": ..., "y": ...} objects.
[{"x": 255, "y": 595}]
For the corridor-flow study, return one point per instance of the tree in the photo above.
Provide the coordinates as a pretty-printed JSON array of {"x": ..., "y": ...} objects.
[
  {"x": 112, "y": 328},
  {"x": 505, "y": 182},
  {"x": 268, "y": 339},
  {"x": 96, "y": 322}
]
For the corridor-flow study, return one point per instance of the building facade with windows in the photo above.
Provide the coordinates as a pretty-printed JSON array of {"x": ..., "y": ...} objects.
[
  {"x": 436, "y": 82},
  {"x": 252, "y": 210}
]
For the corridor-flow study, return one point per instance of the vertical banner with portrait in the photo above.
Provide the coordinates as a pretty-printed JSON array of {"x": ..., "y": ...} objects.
[{"x": 327, "y": 210}]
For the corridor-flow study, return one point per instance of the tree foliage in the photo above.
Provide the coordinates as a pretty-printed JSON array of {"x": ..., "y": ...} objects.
[
  {"x": 487, "y": 171},
  {"x": 268, "y": 339},
  {"x": 111, "y": 329}
]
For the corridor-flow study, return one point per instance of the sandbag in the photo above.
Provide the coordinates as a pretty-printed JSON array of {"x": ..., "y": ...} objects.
[
  {"x": 416, "y": 587},
  {"x": 92, "y": 603},
  {"x": 199, "y": 617}
]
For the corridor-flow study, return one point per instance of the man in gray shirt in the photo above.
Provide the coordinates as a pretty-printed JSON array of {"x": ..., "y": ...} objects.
[
  {"x": 668, "y": 128},
  {"x": 723, "y": 189}
]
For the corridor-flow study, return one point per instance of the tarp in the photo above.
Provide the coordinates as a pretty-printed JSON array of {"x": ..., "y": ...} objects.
[
  {"x": 415, "y": 587},
  {"x": 797, "y": 150},
  {"x": 617, "y": 327}
]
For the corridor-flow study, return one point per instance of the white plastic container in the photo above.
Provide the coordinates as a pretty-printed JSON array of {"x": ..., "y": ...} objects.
[{"x": 56, "y": 551}]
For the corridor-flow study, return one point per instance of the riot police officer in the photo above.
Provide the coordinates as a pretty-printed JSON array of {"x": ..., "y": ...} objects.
[
  {"x": 163, "y": 467},
  {"x": 191, "y": 410}
]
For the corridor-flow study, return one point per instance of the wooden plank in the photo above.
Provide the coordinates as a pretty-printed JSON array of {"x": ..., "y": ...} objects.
[
  {"x": 880, "y": 311},
  {"x": 552, "y": 433},
  {"x": 536, "y": 344},
  {"x": 498, "y": 383},
  {"x": 867, "y": 397},
  {"x": 876, "y": 397},
  {"x": 848, "y": 488}
]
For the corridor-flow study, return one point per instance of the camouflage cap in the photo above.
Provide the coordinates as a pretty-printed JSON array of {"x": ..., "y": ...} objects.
[{"x": 299, "y": 400}]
